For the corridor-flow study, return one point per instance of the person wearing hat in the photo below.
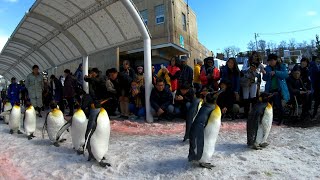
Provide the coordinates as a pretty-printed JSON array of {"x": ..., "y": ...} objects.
[
  {"x": 298, "y": 89},
  {"x": 139, "y": 76},
  {"x": 275, "y": 77},
  {"x": 249, "y": 84},
  {"x": 186, "y": 75},
  {"x": 13, "y": 91},
  {"x": 196, "y": 79}
]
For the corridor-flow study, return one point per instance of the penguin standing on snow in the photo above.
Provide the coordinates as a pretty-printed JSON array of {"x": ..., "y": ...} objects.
[
  {"x": 191, "y": 114},
  {"x": 30, "y": 121},
  {"x": 15, "y": 119},
  {"x": 98, "y": 133},
  {"x": 53, "y": 123},
  {"x": 204, "y": 132},
  {"x": 6, "y": 111},
  {"x": 259, "y": 123},
  {"x": 78, "y": 125}
]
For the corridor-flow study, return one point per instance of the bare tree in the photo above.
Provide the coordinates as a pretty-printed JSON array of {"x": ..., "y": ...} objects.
[
  {"x": 251, "y": 46},
  {"x": 313, "y": 43},
  {"x": 283, "y": 45},
  {"x": 227, "y": 52},
  {"x": 292, "y": 44},
  {"x": 262, "y": 45}
]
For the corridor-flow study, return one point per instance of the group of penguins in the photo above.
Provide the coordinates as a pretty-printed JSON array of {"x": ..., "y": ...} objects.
[{"x": 92, "y": 134}]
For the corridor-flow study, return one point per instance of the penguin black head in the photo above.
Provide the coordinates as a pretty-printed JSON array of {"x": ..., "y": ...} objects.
[
  {"x": 53, "y": 105},
  {"x": 28, "y": 104},
  {"x": 17, "y": 103},
  {"x": 265, "y": 97}
]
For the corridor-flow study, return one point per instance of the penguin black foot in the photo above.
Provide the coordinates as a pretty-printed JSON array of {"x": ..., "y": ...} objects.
[
  {"x": 62, "y": 140},
  {"x": 264, "y": 145},
  {"x": 56, "y": 144},
  {"x": 29, "y": 137},
  {"x": 206, "y": 165},
  {"x": 32, "y": 135},
  {"x": 11, "y": 131},
  {"x": 79, "y": 152},
  {"x": 89, "y": 158},
  {"x": 104, "y": 164},
  {"x": 255, "y": 147},
  {"x": 19, "y": 132}
]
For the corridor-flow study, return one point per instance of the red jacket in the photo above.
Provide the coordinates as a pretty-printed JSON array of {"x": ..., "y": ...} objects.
[{"x": 174, "y": 80}]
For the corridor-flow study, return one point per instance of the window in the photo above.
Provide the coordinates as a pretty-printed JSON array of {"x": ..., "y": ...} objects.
[
  {"x": 159, "y": 10},
  {"x": 144, "y": 15},
  {"x": 184, "y": 22}
]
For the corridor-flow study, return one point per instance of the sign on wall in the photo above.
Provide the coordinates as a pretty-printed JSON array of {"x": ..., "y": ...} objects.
[{"x": 181, "y": 41}]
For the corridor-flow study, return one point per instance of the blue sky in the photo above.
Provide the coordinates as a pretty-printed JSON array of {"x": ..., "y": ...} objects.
[{"x": 221, "y": 23}]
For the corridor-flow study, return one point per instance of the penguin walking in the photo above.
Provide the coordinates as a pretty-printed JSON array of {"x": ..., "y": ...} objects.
[
  {"x": 191, "y": 114},
  {"x": 98, "y": 134},
  {"x": 259, "y": 123},
  {"x": 53, "y": 123},
  {"x": 78, "y": 123},
  {"x": 6, "y": 111},
  {"x": 15, "y": 119},
  {"x": 204, "y": 132},
  {"x": 30, "y": 121}
]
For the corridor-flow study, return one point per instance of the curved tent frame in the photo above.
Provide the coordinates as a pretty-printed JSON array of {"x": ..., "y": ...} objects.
[{"x": 55, "y": 32}]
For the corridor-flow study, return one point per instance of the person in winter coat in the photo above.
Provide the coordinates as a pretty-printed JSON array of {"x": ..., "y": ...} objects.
[
  {"x": 112, "y": 104},
  {"x": 14, "y": 91},
  {"x": 137, "y": 100},
  {"x": 69, "y": 88},
  {"x": 275, "y": 77},
  {"x": 196, "y": 79},
  {"x": 171, "y": 74},
  {"x": 305, "y": 73},
  {"x": 161, "y": 101},
  {"x": 249, "y": 86},
  {"x": 210, "y": 75},
  {"x": 315, "y": 82},
  {"x": 183, "y": 99},
  {"x": 126, "y": 69},
  {"x": 79, "y": 76},
  {"x": 297, "y": 89},
  {"x": 97, "y": 84},
  {"x": 23, "y": 92},
  {"x": 34, "y": 84},
  {"x": 56, "y": 89},
  {"x": 121, "y": 82},
  {"x": 231, "y": 73},
  {"x": 186, "y": 75},
  {"x": 140, "y": 76}
]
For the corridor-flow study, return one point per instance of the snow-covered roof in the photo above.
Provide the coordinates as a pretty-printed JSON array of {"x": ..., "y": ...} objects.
[{"x": 54, "y": 32}]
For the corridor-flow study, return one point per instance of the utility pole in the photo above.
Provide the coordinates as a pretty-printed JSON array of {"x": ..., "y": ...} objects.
[{"x": 255, "y": 37}]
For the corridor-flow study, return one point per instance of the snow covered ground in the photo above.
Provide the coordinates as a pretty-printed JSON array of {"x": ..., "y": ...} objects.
[{"x": 134, "y": 154}]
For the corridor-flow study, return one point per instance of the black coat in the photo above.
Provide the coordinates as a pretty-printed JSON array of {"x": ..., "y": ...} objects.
[
  {"x": 99, "y": 89},
  {"x": 186, "y": 98},
  {"x": 295, "y": 86},
  {"x": 161, "y": 99},
  {"x": 226, "y": 99},
  {"x": 70, "y": 84},
  {"x": 186, "y": 75},
  {"x": 122, "y": 84}
]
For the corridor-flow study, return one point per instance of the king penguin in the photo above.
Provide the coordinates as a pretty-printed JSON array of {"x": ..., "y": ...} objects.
[
  {"x": 204, "y": 132},
  {"x": 259, "y": 123},
  {"x": 30, "y": 121},
  {"x": 78, "y": 125},
  {"x": 53, "y": 123},
  {"x": 15, "y": 119},
  {"x": 191, "y": 114},
  {"x": 6, "y": 111},
  {"x": 98, "y": 133}
]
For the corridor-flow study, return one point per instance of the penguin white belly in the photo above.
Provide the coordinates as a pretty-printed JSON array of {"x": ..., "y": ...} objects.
[
  {"x": 264, "y": 126},
  {"x": 7, "y": 107},
  {"x": 78, "y": 130},
  {"x": 54, "y": 125},
  {"x": 15, "y": 119},
  {"x": 30, "y": 121},
  {"x": 99, "y": 140},
  {"x": 211, "y": 133}
]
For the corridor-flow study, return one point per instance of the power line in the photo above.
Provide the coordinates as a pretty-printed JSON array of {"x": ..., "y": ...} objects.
[{"x": 289, "y": 32}]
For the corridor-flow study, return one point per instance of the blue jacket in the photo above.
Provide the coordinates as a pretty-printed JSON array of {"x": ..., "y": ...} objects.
[
  {"x": 14, "y": 92},
  {"x": 281, "y": 73},
  {"x": 235, "y": 79},
  {"x": 314, "y": 76}
]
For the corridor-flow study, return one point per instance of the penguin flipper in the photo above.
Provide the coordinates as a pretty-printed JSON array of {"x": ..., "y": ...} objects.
[
  {"x": 44, "y": 128},
  {"x": 62, "y": 129},
  {"x": 86, "y": 142},
  {"x": 193, "y": 110}
]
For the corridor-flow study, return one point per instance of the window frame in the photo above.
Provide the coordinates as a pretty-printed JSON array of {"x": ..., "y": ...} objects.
[{"x": 159, "y": 16}]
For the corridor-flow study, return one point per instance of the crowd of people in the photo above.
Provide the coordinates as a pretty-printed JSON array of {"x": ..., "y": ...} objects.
[{"x": 176, "y": 86}]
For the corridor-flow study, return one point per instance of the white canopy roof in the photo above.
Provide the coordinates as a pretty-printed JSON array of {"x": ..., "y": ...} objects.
[{"x": 54, "y": 32}]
